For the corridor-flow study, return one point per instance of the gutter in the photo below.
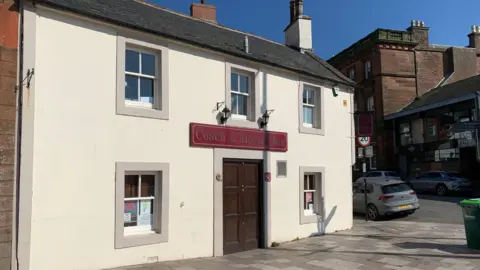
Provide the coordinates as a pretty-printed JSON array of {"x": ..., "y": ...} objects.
[
  {"x": 431, "y": 106},
  {"x": 182, "y": 40}
]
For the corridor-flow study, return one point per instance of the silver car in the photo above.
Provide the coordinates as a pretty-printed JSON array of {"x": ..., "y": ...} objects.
[
  {"x": 380, "y": 175},
  {"x": 384, "y": 197},
  {"x": 440, "y": 182}
]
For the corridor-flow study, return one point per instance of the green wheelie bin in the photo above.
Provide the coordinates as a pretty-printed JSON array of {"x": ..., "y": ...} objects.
[{"x": 471, "y": 218}]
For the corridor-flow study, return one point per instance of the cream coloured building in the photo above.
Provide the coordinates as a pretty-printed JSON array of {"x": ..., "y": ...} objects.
[{"x": 149, "y": 135}]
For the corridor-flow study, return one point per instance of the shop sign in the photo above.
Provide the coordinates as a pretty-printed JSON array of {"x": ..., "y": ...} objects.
[{"x": 202, "y": 135}]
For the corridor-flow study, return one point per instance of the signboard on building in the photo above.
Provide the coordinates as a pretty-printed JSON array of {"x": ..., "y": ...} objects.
[
  {"x": 203, "y": 135},
  {"x": 364, "y": 125}
]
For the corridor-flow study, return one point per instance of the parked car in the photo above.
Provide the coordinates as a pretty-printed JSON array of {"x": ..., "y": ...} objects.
[
  {"x": 380, "y": 175},
  {"x": 384, "y": 197},
  {"x": 441, "y": 182}
]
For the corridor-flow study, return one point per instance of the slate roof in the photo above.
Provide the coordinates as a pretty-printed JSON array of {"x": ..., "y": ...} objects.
[
  {"x": 446, "y": 92},
  {"x": 159, "y": 21}
]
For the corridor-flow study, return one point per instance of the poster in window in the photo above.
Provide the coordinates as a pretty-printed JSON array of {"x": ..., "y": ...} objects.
[
  {"x": 145, "y": 217},
  {"x": 130, "y": 213},
  {"x": 309, "y": 196}
]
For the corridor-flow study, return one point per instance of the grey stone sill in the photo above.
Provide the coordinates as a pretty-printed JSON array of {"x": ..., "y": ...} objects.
[
  {"x": 142, "y": 112},
  {"x": 312, "y": 130},
  {"x": 310, "y": 219}
]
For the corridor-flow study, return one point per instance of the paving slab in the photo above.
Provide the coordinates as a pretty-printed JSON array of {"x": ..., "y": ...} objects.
[{"x": 399, "y": 245}]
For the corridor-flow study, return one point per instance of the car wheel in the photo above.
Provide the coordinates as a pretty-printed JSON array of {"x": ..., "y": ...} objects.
[
  {"x": 441, "y": 190},
  {"x": 372, "y": 212}
]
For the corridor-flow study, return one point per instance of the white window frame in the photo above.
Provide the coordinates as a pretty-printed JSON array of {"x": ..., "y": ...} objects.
[
  {"x": 253, "y": 103},
  {"x": 308, "y": 105},
  {"x": 142, "y": 235},
  {"x": 141, "y": 50},
  {"x": 318, "y": 214},
  {"x": 371, "y": 104},
  {"x": 368, "y": 69},
  {"x": 248, "y": 95},
  {"x": 318, "y": 126},
  {"x": 160, "y": 107},
  {"x": 278, "y": 170}
]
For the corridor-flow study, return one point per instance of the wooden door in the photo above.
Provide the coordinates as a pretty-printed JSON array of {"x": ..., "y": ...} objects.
[{"x": 241, "y": 206}]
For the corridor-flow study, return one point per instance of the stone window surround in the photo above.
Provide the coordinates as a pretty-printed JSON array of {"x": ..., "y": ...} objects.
[
  {"x": 254, "y": 103},
  {"x": 286, "y": 168},
  {"x": 161, "y": 90},
  {"x": 319, "y": 125},
  {"x": 162, "y": 203},
  {"x": 318, "y": 218}
]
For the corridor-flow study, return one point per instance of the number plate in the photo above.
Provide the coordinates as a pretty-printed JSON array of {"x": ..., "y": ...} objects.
[{"x": 408, "y": 206}]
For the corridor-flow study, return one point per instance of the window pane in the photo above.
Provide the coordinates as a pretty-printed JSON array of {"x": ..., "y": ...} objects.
[
  {"x": 234, "y": 82},
  {"x": 311, "y": 97},
  {"x": 131, "y": 186},
  {"x": 305, "y": 182},
  {"x": 234, "y": 103},
  {"x": 130, "y": 213},
  {"x": 308, "y": 199},
  {"x": 131, "y": 87},
  {"x": 305, "y": 96},
  {"x": 146, "y": 90},
  {"x": 312, "y": 182},
  {"x": 242, "y": 105},
  {"x": 146, "y": 213},
  {"x": 148, "y": 186},
  {"x": 132, "y": 63},
  {"x": 307, "y": 115},
  {"x": 148, "y": 64},
  {"x": 244, "y": 87}
]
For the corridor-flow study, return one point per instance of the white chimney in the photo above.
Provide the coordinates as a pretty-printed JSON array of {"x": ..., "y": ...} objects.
[{"x": 298, "y": 33}]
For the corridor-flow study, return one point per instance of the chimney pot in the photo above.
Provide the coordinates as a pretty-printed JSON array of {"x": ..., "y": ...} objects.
[
  {"x": 474, "y": 38},
  {"x": 419, "y": 32}
]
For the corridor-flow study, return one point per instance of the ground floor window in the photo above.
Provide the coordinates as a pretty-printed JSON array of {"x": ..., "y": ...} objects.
[
  {"x": 311, "y": 194},
  {"x": 141, "y": 204}
]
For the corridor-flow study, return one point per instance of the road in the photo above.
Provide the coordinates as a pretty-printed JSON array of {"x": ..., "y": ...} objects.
[{"x": 433, "y": 209}]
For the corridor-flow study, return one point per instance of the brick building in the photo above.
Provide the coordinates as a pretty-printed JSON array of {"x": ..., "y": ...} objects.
[
  {"x": 392, "y": 68},
  {"x": 8, "y": 76}
]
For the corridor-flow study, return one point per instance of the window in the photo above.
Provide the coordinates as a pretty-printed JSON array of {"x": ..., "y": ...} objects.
[
  {"x": 241, "y": 95},
  {"x": 311, "y": 110},
  {"x": 373, "y": 163},
  {"x": 392, "y": 174},
  {"x": 405, "y": 135},
  {"x": 141, "y": 204},
  {"x": 395, "y": 188},
  {"x": 361, "y": 188},
  {"x": 281, "y": 168},
  {"x": 351, "y": 74},
  {"x": 308, "y": 107},
  {"x": 142, "y": 79},
  {"x": 431, "y": 127},
  {"x": 375, "y": 174},
  {"x": 311, "y": 194},
  {"x": 368, "y": 69},
  {"x": 370, "y": 104}
]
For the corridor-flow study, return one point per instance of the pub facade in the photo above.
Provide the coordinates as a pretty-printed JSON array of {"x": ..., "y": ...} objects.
[{"x": 143, "y": 143}]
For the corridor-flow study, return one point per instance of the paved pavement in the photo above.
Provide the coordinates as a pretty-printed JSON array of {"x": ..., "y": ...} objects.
[{"x": 397, "y": 244}]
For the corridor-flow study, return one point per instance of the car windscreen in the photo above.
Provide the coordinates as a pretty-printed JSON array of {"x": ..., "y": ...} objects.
[
  {"x": 392, "y": 174},
  {"x": 394, "y": 188}
]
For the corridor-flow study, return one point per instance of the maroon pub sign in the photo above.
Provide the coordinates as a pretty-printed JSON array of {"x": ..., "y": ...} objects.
[
  {"x": 239, "y": 138},
  {"x": 364, "y": 125}
]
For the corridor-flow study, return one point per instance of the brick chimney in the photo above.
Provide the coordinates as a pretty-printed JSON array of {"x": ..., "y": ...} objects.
[
  {"x": 419, "y": 32},
  {"x": 298, "y": 33},
  {"x": 474, "y": 38},
  {"x": 203, "y": 11}
]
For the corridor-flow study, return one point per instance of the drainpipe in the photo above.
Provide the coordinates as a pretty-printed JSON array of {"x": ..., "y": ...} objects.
[
  {"x": 477, "y": 117},
  {"x": 352, "y": 130},
  {"x": 18, "y": 135}
]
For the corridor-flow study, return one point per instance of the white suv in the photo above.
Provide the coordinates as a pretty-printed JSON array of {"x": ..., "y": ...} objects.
[{"x": 380, "y": 176}]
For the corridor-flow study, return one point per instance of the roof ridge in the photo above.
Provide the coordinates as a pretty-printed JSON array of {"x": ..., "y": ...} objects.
[{"x": 217, "y": 24}]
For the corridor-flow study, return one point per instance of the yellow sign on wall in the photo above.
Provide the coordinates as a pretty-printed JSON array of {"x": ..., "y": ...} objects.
[{"x": 345, "y": 103}]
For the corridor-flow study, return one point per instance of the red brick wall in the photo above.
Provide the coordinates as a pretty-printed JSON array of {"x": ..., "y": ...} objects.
[
  {"x": 8, "y": 75},
  {"x": 478, "y": 65},
  {"x": 397, "y": 62},
  {"x": 430, "y": 69},
  {"x": 464, "y": 63},
  {"x": 397, "y": 93}
]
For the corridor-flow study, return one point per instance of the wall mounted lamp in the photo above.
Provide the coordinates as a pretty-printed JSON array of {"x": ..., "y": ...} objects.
[
  {"x": 334, "y": 90},
  {"x": 265, "y": 118},
  {"x": 225, "y": 115}
]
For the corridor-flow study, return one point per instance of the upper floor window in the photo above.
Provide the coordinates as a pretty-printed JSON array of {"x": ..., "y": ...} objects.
[
  {"x": 405, "y": 135},
  {"x": 142, "y": 79},
  {"x": 311, "y": 110},
  {"x": 308, "y": 107},
  {"x": 240, "y": 94},
  {"x": 370, "y": 104},
  {"x": 351, "y": 74},
  {"x": 368, "y": 69}
]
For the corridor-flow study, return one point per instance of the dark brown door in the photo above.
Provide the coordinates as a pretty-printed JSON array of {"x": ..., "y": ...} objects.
[{"x": 241, "y": 206}]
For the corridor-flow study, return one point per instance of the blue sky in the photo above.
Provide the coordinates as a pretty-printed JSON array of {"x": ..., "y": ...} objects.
[{"x": 338, "y": 24}]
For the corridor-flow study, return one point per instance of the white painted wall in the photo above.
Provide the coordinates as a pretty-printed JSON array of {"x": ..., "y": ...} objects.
[{"x": 78, "y": 137}]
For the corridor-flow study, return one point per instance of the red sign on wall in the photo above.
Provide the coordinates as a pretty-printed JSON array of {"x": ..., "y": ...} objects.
[
  {"x": 364, "y": 125},
  {"x": 267, "y": 176},
  {"x": 239, "y": 138}
]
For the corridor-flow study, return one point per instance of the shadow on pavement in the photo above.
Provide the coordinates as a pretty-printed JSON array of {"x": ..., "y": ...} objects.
[
  {"x": 331, "y": 250},
  {"x": 450, "y": 199},
  {"x": 450, "y": 248},
  {"x": 386, "y": 238}
]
